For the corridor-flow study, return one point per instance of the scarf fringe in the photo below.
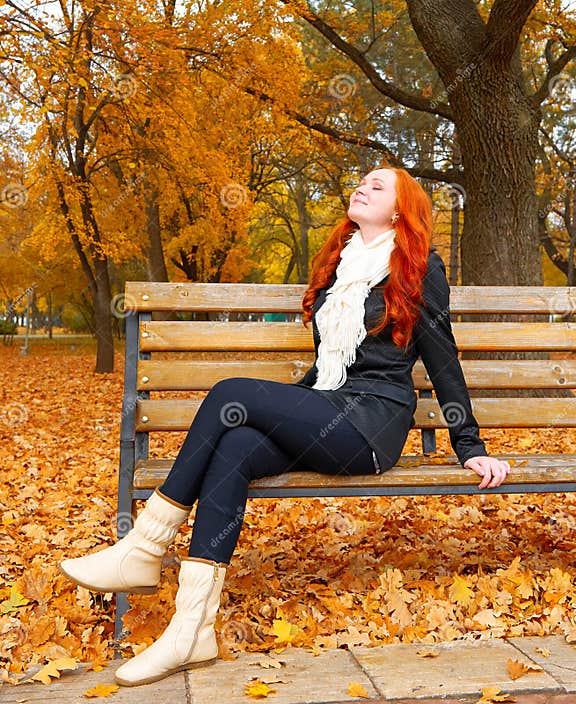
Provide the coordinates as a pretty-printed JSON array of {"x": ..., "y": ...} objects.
[{"x": 340, "y": 319}]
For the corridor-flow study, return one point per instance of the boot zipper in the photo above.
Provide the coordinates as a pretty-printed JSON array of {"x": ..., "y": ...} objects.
[{"x": 205, "y": 606}]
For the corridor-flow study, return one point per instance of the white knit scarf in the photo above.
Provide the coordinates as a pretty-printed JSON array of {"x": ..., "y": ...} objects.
[{"x": 340, "y": 319}]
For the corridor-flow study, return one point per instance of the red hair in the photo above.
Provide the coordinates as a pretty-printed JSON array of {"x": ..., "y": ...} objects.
[{"x": 408, "y": 261}]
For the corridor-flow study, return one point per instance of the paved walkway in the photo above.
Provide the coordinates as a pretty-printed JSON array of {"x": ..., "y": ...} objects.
[{"x": 456, "y": 673}]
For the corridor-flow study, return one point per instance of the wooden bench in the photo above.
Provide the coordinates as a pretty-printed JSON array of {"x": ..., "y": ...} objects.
[{"x": 150, "y": 366}]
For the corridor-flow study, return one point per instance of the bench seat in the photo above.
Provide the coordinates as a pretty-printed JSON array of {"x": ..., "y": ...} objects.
[{"x": 413, "y": 475}]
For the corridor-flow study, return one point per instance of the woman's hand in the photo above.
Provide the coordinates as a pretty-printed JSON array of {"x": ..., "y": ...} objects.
[{"x": 493, "y": 471}]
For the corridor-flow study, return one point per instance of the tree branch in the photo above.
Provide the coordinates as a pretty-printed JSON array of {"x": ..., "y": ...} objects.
[
  {"x": 554, "y": 68},
  {"x": 505, "y": 23},
  {"x": 452, "y": 176},
  {"x": 384, "y": 87}
]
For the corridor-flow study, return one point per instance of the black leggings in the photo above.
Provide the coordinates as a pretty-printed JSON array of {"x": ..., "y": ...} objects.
[{"x": 250, "y": 428}]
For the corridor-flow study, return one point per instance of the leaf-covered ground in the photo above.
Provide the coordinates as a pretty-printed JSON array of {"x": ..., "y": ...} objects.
[{"x": 316, "y": 573}]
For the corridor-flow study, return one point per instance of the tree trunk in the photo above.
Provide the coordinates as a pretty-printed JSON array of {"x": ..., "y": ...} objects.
[
  {"x": 155, "y": 262},
  {"x": 500, "y": 242},
  {"x": 103, "y": 319},
  {"x": 304, "y": 224}
]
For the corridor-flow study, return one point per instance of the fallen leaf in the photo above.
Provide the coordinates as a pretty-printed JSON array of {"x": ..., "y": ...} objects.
[
  {"x": 355, "y": 689},
  {"x": 460, "y": 591},
  {"x": 516, "y": 669},
  {"x": 428, "y": 653},
  {"x": 53, "y": 669},
  {"x": 13, "y": 602},
  {"x": 258, "y": 689},
  {"x": 101, "y": 690},
  {"x": 490, "y": 694},
  {"x": 271, "y": 662},
  {"x": 543, "y": 651},
  {"x": 285, "y": 632}
]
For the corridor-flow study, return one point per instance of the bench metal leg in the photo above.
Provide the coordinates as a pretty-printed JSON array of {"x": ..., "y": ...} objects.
[{"x": 428, "y": 434}]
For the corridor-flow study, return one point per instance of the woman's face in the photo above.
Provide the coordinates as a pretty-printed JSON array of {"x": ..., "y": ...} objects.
[{"x": 373, "y": 201}]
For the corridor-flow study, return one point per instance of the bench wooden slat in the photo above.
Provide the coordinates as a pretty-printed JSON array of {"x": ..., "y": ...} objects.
[
  {"x": 178, "y": 414},
  {"x": 287, "y": 298},
  {"x": 193, "y": 375},
  {"x": 412, "y": 471},
  {"x": 161, "y": 335}
]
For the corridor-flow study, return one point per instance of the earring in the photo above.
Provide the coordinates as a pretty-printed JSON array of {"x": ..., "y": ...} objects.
[{"x": 394, "y": 219}]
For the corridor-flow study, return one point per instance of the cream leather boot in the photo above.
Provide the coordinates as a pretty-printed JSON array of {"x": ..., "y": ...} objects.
[
  {"x": 189, "y": 639},
  {"x": 133, "y": 564}
]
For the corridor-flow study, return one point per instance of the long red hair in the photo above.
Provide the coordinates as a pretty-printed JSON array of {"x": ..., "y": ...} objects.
[{"x": 408, "y": 261}]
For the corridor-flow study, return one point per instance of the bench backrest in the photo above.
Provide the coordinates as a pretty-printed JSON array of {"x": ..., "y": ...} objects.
[{"x": 191, "y": 355}]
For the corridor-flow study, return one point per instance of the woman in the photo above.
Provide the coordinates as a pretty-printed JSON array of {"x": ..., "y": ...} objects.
[{"x": 350, "y": 414}]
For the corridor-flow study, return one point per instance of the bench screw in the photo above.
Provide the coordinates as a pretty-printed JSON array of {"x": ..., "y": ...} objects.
[
  {"x": 144, "y": 419},
  {"x": 145, "y": 379},
  {"x": 145, "y": 297},
  {"x": 431, "y": 414}
]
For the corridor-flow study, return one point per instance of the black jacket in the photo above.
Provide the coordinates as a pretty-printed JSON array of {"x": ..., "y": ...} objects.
[{"x": 382, "y": 369}]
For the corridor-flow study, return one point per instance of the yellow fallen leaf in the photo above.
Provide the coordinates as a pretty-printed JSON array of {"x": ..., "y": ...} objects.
[
  {"x": 516, "y": 669},
  {"x": 101, "y": 690},
  {"x": 460, "y": 591},
  {"x": 355, "y": 689},
  {"x": 13, "y": 602},
  {"x": 258, "y": 689},
  {"x": 490, "y": 694},
  {"x": 284, "y": 631},
  {"x": 544, "y": 652},
  {"x": 53, "y": 669}
]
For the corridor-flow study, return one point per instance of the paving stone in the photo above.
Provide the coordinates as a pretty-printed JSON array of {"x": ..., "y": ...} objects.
[
  {"x": 562, "y": 661},
  {"x": 305, "y": 678},
  {"x": 461, "y": 668},
  {"x": 69, "y": 689}
]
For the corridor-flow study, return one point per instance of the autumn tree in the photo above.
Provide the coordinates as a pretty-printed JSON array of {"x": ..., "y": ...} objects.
[{"x": 482, "y": 59}]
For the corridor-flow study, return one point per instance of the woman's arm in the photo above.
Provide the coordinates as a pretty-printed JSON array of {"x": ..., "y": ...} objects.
[{"x": 436, "y": 345}]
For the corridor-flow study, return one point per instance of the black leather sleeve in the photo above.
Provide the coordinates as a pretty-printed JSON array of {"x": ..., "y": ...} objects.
[
  {"x": 436, "y": 345},
  {"x": 309, "y": 377}
]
